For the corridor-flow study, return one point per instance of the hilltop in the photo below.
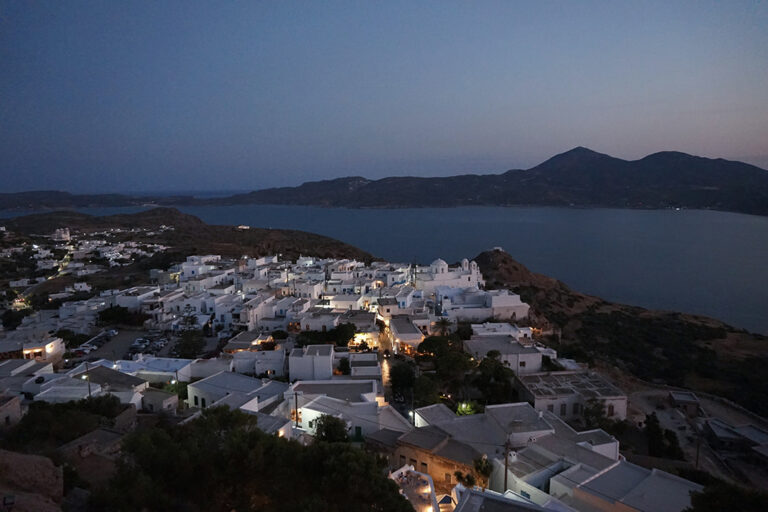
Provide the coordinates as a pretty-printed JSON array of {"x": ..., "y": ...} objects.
[
  {"x": 678, "y": 349},
  {"x": 579, "y": 177}
]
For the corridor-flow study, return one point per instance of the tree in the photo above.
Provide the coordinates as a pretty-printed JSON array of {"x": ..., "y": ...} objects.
[
  {"x": 402, "y": 377},
  {"x": 72, "y": 339},
  {"x": 279, "y": 334},
  {"x": 344, "y": 367},
  {"x": 661, "y": 442},
  {"x": 467, "y": 408},
  {"x": 434, "y": 346},
  {"x": 494, "y": 380},
  {"x": 190, "y": 345},
  {"x": 221, "y": 461},
  {"x": 465, "y": 479},
  {"x": 594, "y": 414},
  {"x": 12, "y": 318},
  {"x": 483, "y": 469},
  {"x": 330, "y": 429},
  {"x": 121, "y": 316},
  {"x": 443, "y": 326},
  {"x": 453, "y": 366},
  {"x": 47, "y": 426},
  {"x": 425, "y": 391}
]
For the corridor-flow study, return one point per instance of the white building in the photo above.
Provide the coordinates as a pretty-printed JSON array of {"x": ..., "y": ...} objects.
[
  {"x": 519, "y": 358},
  {"x": 203, "y": 393},
  {"x": 466, "y": 275},
  {"x": 473, "y": 305},
  {"x": 566, "y": 393},
  {"x": 313, "y": 362}
]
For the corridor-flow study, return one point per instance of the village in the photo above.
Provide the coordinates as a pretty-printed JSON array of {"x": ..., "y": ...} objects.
[{"x": 458, "y": 388}]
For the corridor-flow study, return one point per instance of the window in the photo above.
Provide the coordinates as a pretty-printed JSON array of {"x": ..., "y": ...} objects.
[
  {"x": 563, "y": 409},
  {"x": 196, "y": 401},
  {"x": 522, "y": 364},
  {"x": 412, "y": 462},
  {"x": 423, "y": 467},
  {"x": 387, "y": 310},
  {"x": 203, "y": 401},
  {"x": 402, "y": 460},
  {"x": 610, "y": 410},
  {"x": 551, "y": 407}
]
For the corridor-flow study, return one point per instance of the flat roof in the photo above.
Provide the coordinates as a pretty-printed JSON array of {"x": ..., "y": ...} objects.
[
  {"x": 343, "y": 390},
  {"x": 106, "y": 376},
  {"x": 226, "y": 381},
  {"x": 554, "y": 384},
  {"x": 404, "y": 325},
  {"x": 319, "y": 350},
  {"x": 504, "y": 344}
]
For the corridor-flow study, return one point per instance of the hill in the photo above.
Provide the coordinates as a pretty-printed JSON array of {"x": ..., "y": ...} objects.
[
  {"x": 678, "y": 349},
  {"x": 191, "y": 235}
]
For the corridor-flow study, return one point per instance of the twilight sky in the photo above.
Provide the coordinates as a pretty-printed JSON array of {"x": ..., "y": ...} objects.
[{"x": 158, "y": 96}]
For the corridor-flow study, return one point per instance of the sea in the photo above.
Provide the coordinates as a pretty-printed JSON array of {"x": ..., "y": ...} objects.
[{"x": 694, "y": 261}]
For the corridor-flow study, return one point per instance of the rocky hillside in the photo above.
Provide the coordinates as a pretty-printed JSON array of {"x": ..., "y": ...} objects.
[{"x": 661, "y": 346}]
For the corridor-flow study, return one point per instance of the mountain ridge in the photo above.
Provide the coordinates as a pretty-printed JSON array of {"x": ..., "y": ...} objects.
[{"x": 579, "y": 177}]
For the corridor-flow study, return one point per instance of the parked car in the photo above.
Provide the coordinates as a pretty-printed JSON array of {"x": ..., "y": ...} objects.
[{"x": 112, "y": 332}]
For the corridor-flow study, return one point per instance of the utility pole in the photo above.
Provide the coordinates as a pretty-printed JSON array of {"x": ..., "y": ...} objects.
[
  {"x": 413, "y": 411},
  {"x": 88, "y": 378},
  {"x": 507, "y": 448},
  {"x": 296, "y": 404}
]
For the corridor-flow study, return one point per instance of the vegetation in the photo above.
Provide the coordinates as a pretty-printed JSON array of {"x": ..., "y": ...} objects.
[
  {"x": 331, "y": 429},
  {"x": 339, "y": 336},
  {"x": 190, "y": 344},
  {"x": 279, "y": 334},
  {"x": 344, "y": 367},
  {"x": 12, "y": 318},
  {"x": 481, "y": 472},
  {"x": 72, "y": 339},
  {"x": 661, "y": 442},
  {"x": 222, "y": 462},
  {"x": 720, "y": 496},
  {"x": 47, "y": 426},
  {"x": 118, "y": 315},
  {"x": 402, "y": 377}
]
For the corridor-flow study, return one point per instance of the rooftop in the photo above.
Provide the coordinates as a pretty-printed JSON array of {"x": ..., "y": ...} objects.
[
  {"x": 225, "y": 381},
  {"x": 343, "y": 390},
  {"x": 586, "y": 384}
]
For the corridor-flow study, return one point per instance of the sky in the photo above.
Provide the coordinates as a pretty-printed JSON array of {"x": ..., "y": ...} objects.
[{"x": 241, "y": 95}]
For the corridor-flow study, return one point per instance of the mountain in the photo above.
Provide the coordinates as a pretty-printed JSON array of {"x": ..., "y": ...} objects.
[{"x": 579, "y": 177}]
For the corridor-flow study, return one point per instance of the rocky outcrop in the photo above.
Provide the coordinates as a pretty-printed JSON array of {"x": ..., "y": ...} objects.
[{"x": 34, "y": 482}]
